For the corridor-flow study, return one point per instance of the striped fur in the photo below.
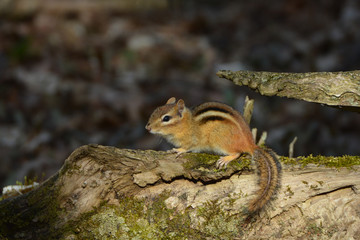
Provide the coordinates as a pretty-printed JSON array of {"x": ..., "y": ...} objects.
[
  {"x": 269, "y": 177},
  {"x": 204, "y": 120},
  {"x": 218, "y": 128},
  {"x": 213, "y": 111}
]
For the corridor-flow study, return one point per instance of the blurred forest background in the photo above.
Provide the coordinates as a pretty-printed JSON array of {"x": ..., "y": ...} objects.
[{"x": 91, "y": 71}]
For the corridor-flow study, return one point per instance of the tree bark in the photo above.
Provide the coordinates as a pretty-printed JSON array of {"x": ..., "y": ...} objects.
[
  {"x": 341, "y": 89},
  {"x": 105, "y": 192}
]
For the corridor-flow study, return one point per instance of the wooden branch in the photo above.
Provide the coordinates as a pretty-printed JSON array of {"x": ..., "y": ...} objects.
[
  {"x": 340, "y": 89},
  {"x": 105, "y": 192},
  {"x": 248, "y": 109}
]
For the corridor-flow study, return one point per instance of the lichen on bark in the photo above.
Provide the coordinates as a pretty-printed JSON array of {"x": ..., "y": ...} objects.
[{"x": 340, "y": 89}]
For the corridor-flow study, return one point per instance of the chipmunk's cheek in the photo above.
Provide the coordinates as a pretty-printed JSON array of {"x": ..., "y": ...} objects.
[{"x": 156, "y": 132}]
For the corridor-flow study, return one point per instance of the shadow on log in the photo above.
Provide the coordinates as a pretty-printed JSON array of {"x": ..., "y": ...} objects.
[{"x": 104, "y": 192}]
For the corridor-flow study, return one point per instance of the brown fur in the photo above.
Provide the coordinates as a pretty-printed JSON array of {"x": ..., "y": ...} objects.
[
  {"x": 218, "y": 128},
  {"x": 269, "y": 177}
]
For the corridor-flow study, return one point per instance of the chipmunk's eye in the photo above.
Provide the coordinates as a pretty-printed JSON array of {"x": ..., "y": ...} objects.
[{"x": 166, "y": 118}]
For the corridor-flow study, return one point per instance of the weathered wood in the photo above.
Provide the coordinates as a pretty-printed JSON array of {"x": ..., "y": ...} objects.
[
  {"x": 91, "y": 175},
  {"x": 105, "y": 192},
  {"x": 340, "y": 89}
]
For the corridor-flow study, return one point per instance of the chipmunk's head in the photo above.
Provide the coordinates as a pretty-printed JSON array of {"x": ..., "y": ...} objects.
[{"x": 165, "y": 120}]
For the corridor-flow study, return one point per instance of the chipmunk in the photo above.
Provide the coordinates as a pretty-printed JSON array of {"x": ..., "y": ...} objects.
[{"x": 218, "y": 128}]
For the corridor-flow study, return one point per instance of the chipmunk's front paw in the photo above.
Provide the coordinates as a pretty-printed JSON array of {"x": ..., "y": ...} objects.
[{"x": 178, "y": 151}]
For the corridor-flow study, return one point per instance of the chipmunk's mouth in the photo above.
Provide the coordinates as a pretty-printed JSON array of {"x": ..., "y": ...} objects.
[{"x": 147, "y": 127}]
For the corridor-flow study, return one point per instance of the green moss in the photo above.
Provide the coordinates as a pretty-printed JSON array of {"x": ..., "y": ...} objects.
[
  {"x": 217, "y": 222},
  {"x": 151, "y": 219},
  {"x": 205, "y": 160},
  {"x": 288, "y": 192},
  {"x": 334, "y": 162},
  {"x": 314, "y": 229},
  {"x": 27, "y": 181},
  {"x": 241, "y": 163},
  {"x": 133, "y": 219},
  {"x": 320, "y": 182},
  {"x": 197, "y": 160},
  {"x": 314, "y": 187}
]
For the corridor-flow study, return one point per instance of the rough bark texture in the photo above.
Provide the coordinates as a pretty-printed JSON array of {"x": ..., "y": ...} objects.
[
  {"x": 104, "y": 192},
  {"x": 332, "y": 88}
]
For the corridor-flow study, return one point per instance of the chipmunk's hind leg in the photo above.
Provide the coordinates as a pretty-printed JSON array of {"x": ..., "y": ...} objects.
[{"x": 224, "y": 161}]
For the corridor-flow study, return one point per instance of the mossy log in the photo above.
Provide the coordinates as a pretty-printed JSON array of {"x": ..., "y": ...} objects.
[
  {"x": 109, "y": 193},
  {"x": 341, "y": 89}
]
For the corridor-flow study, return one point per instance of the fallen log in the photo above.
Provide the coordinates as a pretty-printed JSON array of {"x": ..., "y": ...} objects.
[{"x": 105, "y": 192}]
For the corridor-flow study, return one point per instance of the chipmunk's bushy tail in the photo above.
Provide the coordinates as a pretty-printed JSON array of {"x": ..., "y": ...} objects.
[{"x": 269, "y": 169}]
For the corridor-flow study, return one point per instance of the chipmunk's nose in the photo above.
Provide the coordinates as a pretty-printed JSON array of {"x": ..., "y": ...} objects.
[{"x": 147, "y": 127}]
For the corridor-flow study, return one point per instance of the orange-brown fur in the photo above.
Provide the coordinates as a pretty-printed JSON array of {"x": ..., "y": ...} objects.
[{"x": 217, "y": 128}]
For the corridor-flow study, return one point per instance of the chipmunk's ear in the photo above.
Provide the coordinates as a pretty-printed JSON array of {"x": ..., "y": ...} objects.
[
  {"x": 171, "y": 100},
  {"x": 181, "y": 106}
]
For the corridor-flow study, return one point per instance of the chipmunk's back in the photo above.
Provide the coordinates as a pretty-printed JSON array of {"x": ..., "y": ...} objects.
[{"x": 222, "y": 125}]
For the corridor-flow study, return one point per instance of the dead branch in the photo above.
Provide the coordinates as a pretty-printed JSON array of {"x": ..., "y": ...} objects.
[{"x": 341, "y": 89}]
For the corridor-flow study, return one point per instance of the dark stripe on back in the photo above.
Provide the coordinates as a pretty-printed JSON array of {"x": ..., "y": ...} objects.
[
  {"x": 212, "y": 118},
  {"x": 217, "y": 109}
]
